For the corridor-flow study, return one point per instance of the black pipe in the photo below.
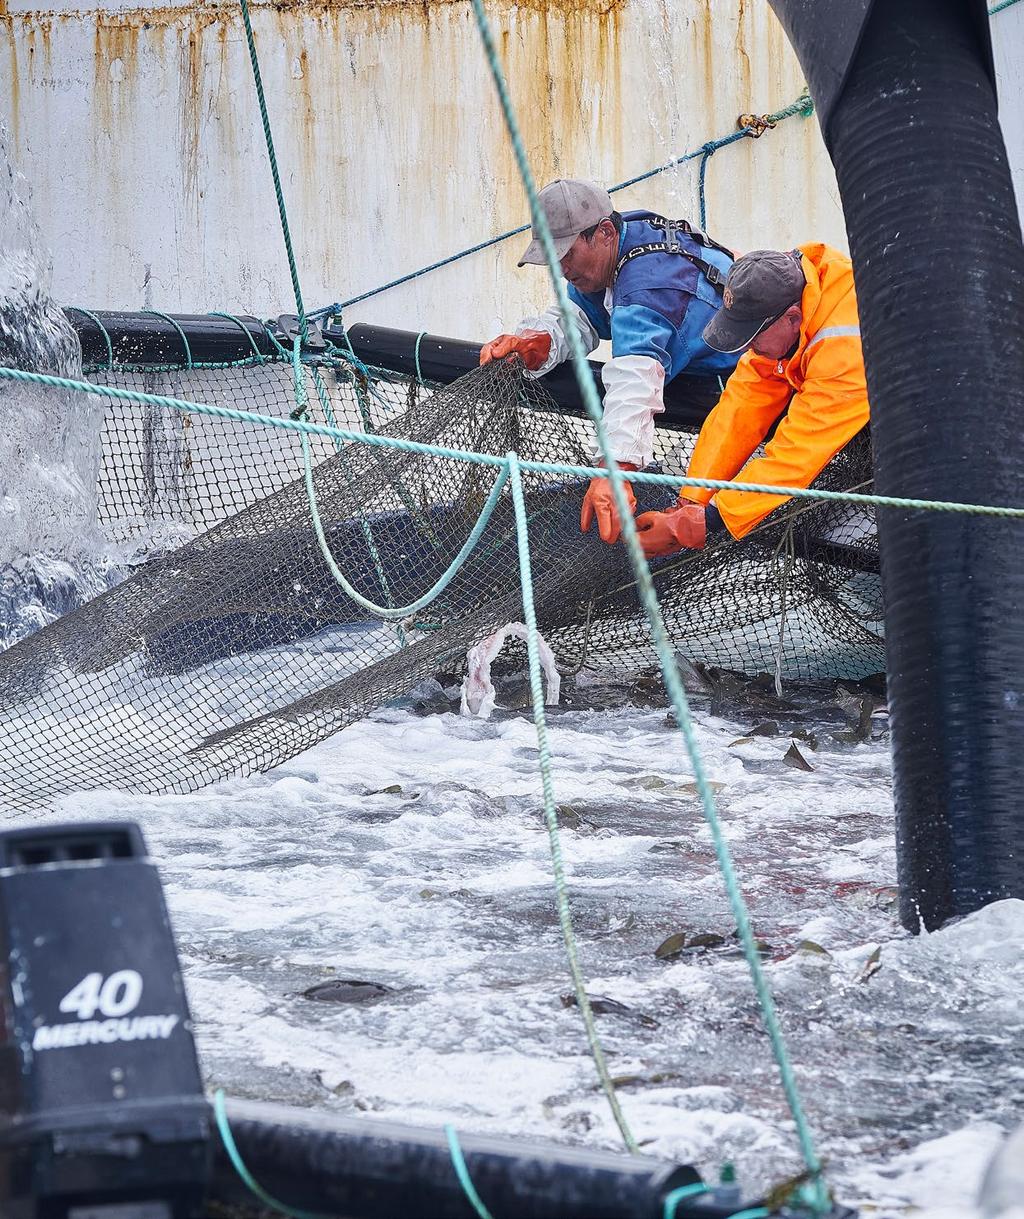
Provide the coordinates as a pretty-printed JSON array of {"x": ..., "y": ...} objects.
[
  {"x": 381, "y": 1170},
  {"x": 148, "y": 338},
  {"x": 357, "y": 1168},
  {"x": 141, "y": 339},
  {"x": 939, "y": 266},
  {"x": 687, "y": 399}
]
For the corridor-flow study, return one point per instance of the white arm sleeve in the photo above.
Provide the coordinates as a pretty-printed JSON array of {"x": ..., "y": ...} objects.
[
  {"x": 550, "y": 321},
  {"x": 633, "y": 395}
]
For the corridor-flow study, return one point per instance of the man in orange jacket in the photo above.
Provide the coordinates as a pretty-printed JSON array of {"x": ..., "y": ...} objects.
[{"x": 794, "y": 315}]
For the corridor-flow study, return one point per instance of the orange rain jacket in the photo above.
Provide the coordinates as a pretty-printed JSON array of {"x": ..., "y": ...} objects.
[{"x": 823, "y": 385}]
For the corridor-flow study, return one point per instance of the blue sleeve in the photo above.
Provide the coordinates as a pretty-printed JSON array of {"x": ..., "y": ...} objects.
[
  {"x": 595, "y": 311},
  {"x": 639, "y": 331}
]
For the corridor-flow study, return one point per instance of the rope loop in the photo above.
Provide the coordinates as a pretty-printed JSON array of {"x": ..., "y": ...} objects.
[
  {"x": 260, "y": 357},
  {"x": 166, "y": 317},
  {"x": 709, "y": 149},
  {"x": 462, "y": 1172},
  {"x": 250, "y": 1182},
  {"x": 398, "y": 613},
  {"x": 103, "y": 330},
  {"x": 416, "y": 353},
  {"x": 675, "y": 1196}
]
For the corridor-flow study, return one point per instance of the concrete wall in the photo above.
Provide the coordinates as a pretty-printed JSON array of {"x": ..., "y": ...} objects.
[{"x": 139, "y": 133}]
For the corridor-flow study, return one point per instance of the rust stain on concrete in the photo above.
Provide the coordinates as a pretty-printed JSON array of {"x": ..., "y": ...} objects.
[
  {"x": 175, "y": 14},
  {"x": 742, "y": 56},
  {"x": 115, "y": 68},
  {"x": 704, "y": 53},
  {"x": 45, "y": 30},
  {"x": 14, "y": 87},
  {"x": 190, "y": 83},
  {"x": 565, "y": 73}
]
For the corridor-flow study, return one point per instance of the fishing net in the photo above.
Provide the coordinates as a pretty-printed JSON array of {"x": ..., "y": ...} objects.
[{"x": 231, "y": 647}]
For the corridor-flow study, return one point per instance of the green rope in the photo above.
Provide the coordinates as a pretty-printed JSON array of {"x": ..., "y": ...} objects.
[
  {"x": 228, "y": 1139},
  {"x": 550, "y": 814},
  {"x": 803, "y": 106},
  {"x": 416, "y": 353},
  {"x": 181, "y": 334},
  {"x": 659, "y": 634},
  {"x": 307, "y": 461},
  {"x": 283, "y": 352},
  {"x": 292, "y": 267},
  {"x": 301, "y": 401},
  {"x": 396, "y": 614},
  {"x": 709, "y": 151},
  {"x": 260, "y": 357},
  {"x": 673, "y": 1198},
  {"x": 298, "y": 380},
  {"x": 462, "y": 1172},
  {"x": 103, "y": 330},
  {"x": 998, "y": 8},
  {"x": 753, "y": 1212},
  {"x": 486, "y": 459}
]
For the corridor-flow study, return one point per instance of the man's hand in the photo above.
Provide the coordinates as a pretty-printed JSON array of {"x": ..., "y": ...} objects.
[
  {"x": 599, "y": 502},
  {"x": 665, "y": 533},
  {"x": 532, "y": 346}
]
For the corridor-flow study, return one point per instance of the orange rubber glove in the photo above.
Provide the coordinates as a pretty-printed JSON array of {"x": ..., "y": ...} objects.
[
  {"x": 599, "y": 502},
  {"x": 665, "y": 533},
  {"x": 532, "y": 346}
]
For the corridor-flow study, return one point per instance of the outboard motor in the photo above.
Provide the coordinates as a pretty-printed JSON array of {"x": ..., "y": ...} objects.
[{"x": 102, "y": 1113}]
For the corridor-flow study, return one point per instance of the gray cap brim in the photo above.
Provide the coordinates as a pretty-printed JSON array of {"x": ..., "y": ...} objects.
[
  {"x": 535, "y": 250},
  {"x": 730, "y": 335}
]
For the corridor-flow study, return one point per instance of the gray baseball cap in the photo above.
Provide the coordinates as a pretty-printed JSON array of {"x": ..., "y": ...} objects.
[
  {"x": 570, "y": 205},
  {"x": 760, "y": 287}
]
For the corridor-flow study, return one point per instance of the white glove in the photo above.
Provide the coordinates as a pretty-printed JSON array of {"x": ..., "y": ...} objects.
[
  {"x": 550, "y": 321},
  {"x": 633, "y": 394}
]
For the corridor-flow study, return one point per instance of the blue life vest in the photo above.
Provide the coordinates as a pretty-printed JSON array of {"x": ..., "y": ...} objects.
[{"x": 663, "y": 296}]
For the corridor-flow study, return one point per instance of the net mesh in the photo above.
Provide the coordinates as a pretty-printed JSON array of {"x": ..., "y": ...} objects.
[{"x": 230, "y": 647}]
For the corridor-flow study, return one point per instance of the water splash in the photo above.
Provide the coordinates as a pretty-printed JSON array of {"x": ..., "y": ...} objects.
[{"x": 52, "y": 555}]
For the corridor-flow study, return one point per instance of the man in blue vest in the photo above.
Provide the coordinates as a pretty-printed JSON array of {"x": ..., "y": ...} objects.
[{"x": 648, "y": 284}]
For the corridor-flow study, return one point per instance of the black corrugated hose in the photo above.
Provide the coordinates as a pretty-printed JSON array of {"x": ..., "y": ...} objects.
[{"x": 936, "y": 245}]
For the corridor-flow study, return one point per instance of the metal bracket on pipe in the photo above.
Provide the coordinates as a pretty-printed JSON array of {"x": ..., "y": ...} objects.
[{"x": 288, "y": 327}]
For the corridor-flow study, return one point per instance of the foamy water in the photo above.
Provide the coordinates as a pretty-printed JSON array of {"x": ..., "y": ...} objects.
[
  {"x": 52, "y": 556},
  {"x": 410, "y": 851}
]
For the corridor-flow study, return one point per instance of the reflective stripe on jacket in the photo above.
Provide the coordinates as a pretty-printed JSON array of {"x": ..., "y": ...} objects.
[{"x": 822, "y": 384}]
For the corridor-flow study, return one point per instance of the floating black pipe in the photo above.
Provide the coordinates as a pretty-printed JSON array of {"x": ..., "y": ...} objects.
[
  {"x": 141, "y": 339},
  {"x": 381, "y": 1170},
  {"x": 149, "y": 338},
  {"x": 687, "y": 399},
  {"x": 352, "y": 1167},
  {"x": 910, "y": 119}
]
